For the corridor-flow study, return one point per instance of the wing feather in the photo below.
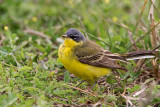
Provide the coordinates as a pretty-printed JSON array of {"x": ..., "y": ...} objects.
[{"x": 99, "y": 57}]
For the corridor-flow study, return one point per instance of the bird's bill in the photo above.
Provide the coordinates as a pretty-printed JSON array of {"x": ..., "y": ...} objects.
[{"x": 64, "y": 36}]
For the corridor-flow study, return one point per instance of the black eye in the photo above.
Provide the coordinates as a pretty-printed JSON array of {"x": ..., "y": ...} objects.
[{"x": 73, "y": 37}]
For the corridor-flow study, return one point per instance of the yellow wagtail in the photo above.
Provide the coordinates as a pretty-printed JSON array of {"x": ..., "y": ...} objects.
[{"x": 88, "y": 61}]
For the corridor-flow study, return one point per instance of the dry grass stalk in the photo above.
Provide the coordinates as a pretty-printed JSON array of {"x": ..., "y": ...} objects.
[
  {"x": 132, "y": 40},
  {"x": 156, "y": 9},
  {"x": 84, "y": 91},
  {"x": 139, "y": 64},
  {"x": 154, "y": 40},
  {"x": 153, "y": 34},
  {"x": 39, "y": 34},
  {"x": 138, "y": 20},
  {"x": 147, "y": 32},
  {"x": 34, "y": 32},
  {"x": 155, "y": 68}
]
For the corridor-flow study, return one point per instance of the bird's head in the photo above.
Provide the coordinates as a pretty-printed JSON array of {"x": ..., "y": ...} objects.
[{"x": 74, "y": 37}]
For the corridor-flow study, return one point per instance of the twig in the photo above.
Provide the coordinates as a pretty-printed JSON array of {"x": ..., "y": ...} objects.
[
  {"x": 139, "y": 65},
  {"x": 153, "y": 35},
  {"x": 151, "y": 11},
  {"x": 84, "y": 91},
  {"x": 139, "y": 92},
  {"x": 147, "y": 32},
  {"x": 144, "y": 35},
  {"x": 154, "y": 41},
  {"x": 156, "y": 48},
  {"x": 155, "y": 68},
  {"x": 129, "y": 32},
  {"x": 119, "y": 24},
  {"x": 127, "y": 100},
  {"x": 124, "y": 92},
  {"x": 130, "y": 98},
  {"x": 97, "y": 38},
  {"x": 158, "y": 13},
  {"x": 133, "y": 33},
  {"x": 132, "y": 40},
  {"x": 40, "y": 34},
  {"x": 31, "y": 31}
]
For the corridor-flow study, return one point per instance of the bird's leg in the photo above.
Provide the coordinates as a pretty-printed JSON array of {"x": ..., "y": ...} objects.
[
  {"x": 80, "y": 83},
  {"x": 93, "y": 85}
]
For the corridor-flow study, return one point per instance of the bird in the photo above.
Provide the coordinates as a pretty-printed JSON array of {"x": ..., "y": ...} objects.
[{"x": 88, "y": 60}]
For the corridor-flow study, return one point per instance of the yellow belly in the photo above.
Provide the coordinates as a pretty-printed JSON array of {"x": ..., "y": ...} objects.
[{"x": 80, "y": 70}]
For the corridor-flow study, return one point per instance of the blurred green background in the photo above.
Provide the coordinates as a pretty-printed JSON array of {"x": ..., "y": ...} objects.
[{"x": 31, "y": 73}]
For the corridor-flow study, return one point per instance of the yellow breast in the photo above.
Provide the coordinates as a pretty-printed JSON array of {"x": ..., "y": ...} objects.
[{"x": 80, "y": 70}]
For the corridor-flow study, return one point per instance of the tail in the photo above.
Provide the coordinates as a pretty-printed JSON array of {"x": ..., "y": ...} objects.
[{"x": 138, "y": 55}]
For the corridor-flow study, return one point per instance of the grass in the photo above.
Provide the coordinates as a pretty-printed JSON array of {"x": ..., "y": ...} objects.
[{"x": 31, "y": 73}]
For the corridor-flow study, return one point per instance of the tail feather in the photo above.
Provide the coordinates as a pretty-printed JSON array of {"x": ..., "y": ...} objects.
[{"x": 139, "y": 55}]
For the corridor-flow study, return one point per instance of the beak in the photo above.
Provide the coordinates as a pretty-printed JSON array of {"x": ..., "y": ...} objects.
[{"x": 64, "y": 36}]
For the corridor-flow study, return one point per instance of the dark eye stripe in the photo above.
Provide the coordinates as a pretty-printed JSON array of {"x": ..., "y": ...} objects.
[{"x": 72, "y": 35}]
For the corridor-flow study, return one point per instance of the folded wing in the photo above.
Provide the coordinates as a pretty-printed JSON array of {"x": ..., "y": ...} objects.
[{"x": 98, "y": 57}]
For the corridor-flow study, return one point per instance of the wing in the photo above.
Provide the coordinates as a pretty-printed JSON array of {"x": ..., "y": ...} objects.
[{"x": 98, "y": 57}]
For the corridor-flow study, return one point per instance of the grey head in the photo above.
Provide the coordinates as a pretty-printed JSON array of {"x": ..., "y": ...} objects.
[{"x": 75, "y": 35}]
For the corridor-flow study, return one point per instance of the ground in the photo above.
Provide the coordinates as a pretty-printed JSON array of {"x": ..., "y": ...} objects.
[{"x": 30, "y": 33}]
